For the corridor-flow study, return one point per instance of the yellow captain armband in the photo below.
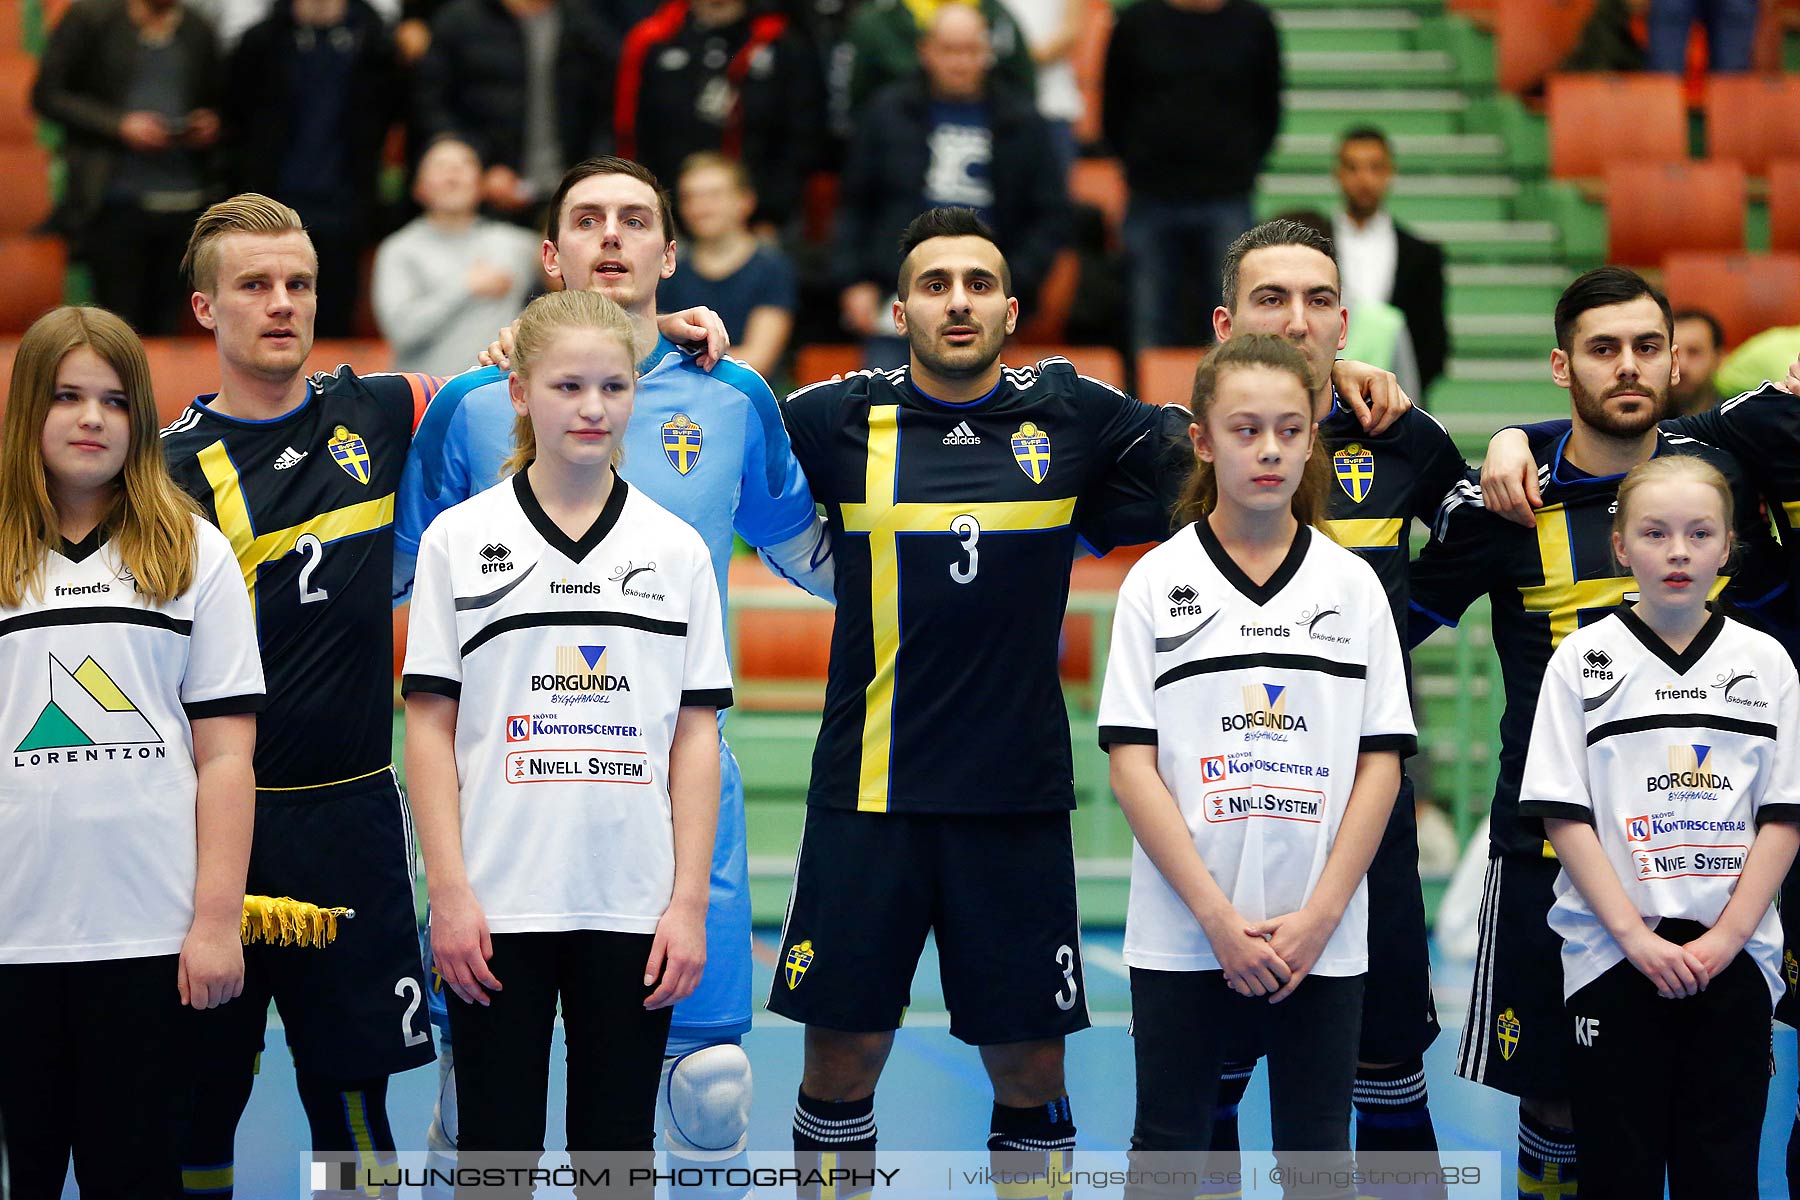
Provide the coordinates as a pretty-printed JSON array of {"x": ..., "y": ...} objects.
[{"x": 285, "y": 921}]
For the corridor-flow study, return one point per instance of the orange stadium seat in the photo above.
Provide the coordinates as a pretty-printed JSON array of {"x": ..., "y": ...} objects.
[
  {"x": 1658, "y": 208},
  {"x": 12, "y": 26},
  {"x": 822, "y": 360},
  {"x": 25, "y": 199},
  {"x": 18, "y": 123},
  {"x": 1100, "y": 362},
  {"x": 1597, "y": 119},
  {"x": 33, "y": 268},
  {"x": 1101, "y": 183},
  {"x": 184, "y": 367},
  {"x": 1751, "y": 119},
  {"x": 1747, "y": 292},
  {"x": 1784, "y": 205},
  {"x": 1165, "y": 375},
  {"x": 1532, "y": 37},
  {"x": 1050, "y": 315}
]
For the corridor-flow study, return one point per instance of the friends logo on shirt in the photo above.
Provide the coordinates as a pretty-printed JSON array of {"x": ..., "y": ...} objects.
[{"x": 86, "y": 718}]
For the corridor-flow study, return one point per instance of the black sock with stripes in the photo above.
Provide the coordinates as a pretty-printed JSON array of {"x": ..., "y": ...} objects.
[
  {"x": 1031, "y": 1150},
  {"x": 349, "y": 1117},
  {"x": 1546, "y": 1160},
  {"x": 1234, "y": 1080},
  {"x": 1392, "y": 1117},
  {"x": 834, "y": 1148}
]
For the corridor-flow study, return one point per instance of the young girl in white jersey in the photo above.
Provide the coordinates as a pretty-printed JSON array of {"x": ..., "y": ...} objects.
[
  {"x": 564, "y": 668},
  {"x": 1255, "y": 710},
  {"x": 1663, "y": 764},
  {"x": 128, "y": 716}
]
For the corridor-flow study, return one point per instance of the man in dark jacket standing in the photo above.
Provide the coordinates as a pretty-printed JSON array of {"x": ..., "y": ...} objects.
[
  {"x": 949, "y": 137},
  {"x": 135, "y": 86},
  {"x": 528, "y": 83},
  {"x": 1191, "y": 104},
  {"x": 313, "y": 89},
  {"x": 711, "y": 75}
]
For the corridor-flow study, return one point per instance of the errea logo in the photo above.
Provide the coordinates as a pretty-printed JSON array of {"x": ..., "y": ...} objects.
[
  {"x": 1182, "y": 601},
  {"x": 1596, "y": 664},
  {"x": 496, "y": 557}
]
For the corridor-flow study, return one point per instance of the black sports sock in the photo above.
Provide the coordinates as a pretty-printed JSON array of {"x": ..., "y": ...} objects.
[
  {"x": 349, "y": 1116},
  {"x": 1392, "y": 1117},
  {"x": 209, "y": 1132},
  {"x": 834, "y": 1148},
  {"x": 1546, "y": 1160},
  {"x": 1032, "y": 1150}
]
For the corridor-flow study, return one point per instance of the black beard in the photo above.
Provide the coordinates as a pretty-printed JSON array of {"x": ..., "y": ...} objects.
[{"x": 1593, "y": 412}]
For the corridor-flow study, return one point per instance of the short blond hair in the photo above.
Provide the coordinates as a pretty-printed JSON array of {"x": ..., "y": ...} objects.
[
  {"x": 541, "y": 321},
  {"x": 248, "y": 213},
  {"x": 1666, "y": 468}
]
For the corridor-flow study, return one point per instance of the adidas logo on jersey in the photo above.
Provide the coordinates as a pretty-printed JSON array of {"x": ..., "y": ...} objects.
[
  {"x": 289, "y": 457},
  {"x": 962, "y": 435}
]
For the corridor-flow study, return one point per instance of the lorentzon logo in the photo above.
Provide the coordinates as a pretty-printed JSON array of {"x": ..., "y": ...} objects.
[{"x": 518, "y": 729}]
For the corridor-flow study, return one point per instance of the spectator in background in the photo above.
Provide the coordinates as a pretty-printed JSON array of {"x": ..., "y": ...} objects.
[
  {"x": 951, "y": 137},
  {"x": 311, "y": 94},
  {"x": 1380, "y": 259},
  {"x": 722, "y": 265},
  {"x": 1613, "y": 38},
  {"x": 528, "y": 83},
  {"x": 1767, "y": 355},
  {"x": 709, "y": 75},
  {"x": 1191, "y": 104},
  {"x": 885, "y": 36},
  {"x": 1730, "y": 33},
  {"x": 1051, "y": 29},
  {"x": 231, "y": 19},
  {"x": 135, "y": 86},
  {"x": 448, "y": 279},
  {"x": 1700, "y": 341}
]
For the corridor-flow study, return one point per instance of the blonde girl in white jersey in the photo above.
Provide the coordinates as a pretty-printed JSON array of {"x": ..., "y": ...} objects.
[
  {"x": 615, "y": 973},
  {"x": 1662, "y": 762},
  {"x": 128, "y": 720}
]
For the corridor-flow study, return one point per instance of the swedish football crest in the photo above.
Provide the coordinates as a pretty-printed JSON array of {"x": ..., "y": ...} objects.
[
  {"x": 1506, "y": 1028},
  {"x": 681, "y": 438},
  {"x": 1355, "y": 468},
  {"x": 1031, "y": 450},
  {"x": 350, "y": 452},
  {"x": 799, "y": 957}
]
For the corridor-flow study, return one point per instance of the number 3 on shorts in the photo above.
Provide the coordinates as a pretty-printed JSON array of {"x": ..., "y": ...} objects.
[{"x": 1065, "y": 958}]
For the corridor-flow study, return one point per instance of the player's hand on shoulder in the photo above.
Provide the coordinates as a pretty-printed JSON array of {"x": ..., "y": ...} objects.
[
  {"x": 210, "y": 970},
  {"x": 1509, "y": 486},
  {"x": 701, "y": 327},
  {"x": 1299, "y": 938},
  {"x": 1251, "y": 966},
  {"x": 499, "y": 351},
  {"x": 1676, "y": 972},
  {"x": 1374, "y": 395},
  {"x": 677, "y": 954},
  {"x": 461, "y": 946},
  {"x": 1792, "y": 382}
]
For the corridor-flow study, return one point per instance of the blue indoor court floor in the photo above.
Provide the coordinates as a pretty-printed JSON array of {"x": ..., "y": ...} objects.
[{"x": 933, "y": 1095}]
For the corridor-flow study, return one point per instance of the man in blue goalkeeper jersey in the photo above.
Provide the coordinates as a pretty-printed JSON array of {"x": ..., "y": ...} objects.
[{"x": 709, "y": 447}]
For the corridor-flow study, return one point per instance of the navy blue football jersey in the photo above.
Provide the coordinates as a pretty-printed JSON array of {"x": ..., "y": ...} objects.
[{"x": 307, "y": 502}]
